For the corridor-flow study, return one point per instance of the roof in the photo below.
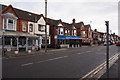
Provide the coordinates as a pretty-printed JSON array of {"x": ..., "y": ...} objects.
[
  {"x": 23, "y": 14},
  {"x": 87, "y": 27},
  {"x": 66, "y": 25},
  {"x": 78, "y": 25},
  {"x": 8, "y": 33},
  {"x": 52, "y": 21}
]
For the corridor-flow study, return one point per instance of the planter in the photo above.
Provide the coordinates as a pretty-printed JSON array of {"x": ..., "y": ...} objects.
[
  {"x": 16, "y": 52},
  {"x": 8, "y": 49},
  {"x": 29, "y": 51}
]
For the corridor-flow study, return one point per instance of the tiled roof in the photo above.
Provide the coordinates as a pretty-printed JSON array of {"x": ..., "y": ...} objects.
[
  {"x": 66, "y": 25},
  {"x": 52, "y": 21},
  {"x": 78, "y": 25},
  {"x": 23, "y": 14},
  {"x": 87, "y": 27}
]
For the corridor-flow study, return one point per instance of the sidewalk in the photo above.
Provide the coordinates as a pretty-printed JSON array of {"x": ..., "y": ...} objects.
[
  {"x": 40, "y": 52},
  {"x": 114, "y": 72}
]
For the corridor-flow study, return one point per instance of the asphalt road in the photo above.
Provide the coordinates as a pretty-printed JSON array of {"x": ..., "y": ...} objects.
[{"x": 71, "y": 63}]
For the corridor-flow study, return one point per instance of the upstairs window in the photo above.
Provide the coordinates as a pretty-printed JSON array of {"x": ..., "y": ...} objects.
[
  {"x": 83, "y": 33},
  {"x": 5, "y": 23},
  {"x": 11, "y": 24},
  {"x": 60, "y": 31},
  {"x": 30, "y": 27},
  {"x": 74, "y": 32},
  {"x": 66, "y": 31},
  {"x": 41, "y": 28},
  {"x": 24, "y": 25}
]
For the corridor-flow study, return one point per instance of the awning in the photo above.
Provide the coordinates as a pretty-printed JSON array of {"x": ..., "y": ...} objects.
[
  {"x": 17, "y": 34},
  {"x": 66, "y": 37}
]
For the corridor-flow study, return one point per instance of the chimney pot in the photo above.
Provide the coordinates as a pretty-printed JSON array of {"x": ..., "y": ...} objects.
[{"x": 73, "y": 20}]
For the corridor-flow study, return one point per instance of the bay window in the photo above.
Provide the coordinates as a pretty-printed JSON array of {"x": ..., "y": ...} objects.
[{"x": 9, "y": 24}]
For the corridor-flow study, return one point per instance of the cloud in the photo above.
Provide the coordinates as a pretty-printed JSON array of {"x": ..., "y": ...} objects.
[{"x": 82, "y": 10}]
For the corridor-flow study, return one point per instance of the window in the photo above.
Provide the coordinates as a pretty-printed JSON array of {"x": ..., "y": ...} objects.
[
  {"x": 83, "y": 33},
  {"x": 11, "y": 24},
  {"x": 24, "y": 26},
  {"x": 66, "y": 31},
  {"x": 5, "y": 23},
  {"x": 31, "y": 27},
  {"x": 60, "y": 31},
  {"x": 90, "y": 35},
  {"x": 41, "y": 27},
  {"x": 74, "y": 32}
]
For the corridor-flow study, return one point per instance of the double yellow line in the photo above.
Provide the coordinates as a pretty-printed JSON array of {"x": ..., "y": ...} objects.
[{"x": 97, "y": 69}]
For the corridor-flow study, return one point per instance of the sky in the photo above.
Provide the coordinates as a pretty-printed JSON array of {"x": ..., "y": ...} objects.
[{"x": 91, "y": 12}]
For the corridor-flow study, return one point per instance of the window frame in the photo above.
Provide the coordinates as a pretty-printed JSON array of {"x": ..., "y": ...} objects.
[
  {"x": 24, "y": 26},
  {"x": 30, "y": 27}
]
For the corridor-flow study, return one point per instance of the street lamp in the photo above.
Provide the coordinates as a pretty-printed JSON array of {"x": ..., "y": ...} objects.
[
  {"x": 3, "y": 31},
  {"x": 107, "y": 49},
  {"x": 45, "y": 25}
]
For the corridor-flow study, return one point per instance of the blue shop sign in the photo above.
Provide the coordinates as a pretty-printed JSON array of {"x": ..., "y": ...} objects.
[{"x": 66, "y": 37}]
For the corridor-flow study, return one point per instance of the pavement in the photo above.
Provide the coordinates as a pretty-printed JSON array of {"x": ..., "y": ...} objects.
[
  {"x": 114, "y": 72},
  {"x": 71, "y": 63},
  {"x": 11, "y": 54}
]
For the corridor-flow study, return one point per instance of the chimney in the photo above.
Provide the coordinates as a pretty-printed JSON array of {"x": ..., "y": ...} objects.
[
  {"x": 73, "y": 20},
  {"x": 95, "y": 30}
]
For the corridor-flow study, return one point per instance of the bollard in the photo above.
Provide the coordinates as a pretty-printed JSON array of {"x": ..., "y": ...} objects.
[
  {"x": 68, "y": 46},
  {"x": 72, "y": 46},
  {"x": 78, "y": 45}
]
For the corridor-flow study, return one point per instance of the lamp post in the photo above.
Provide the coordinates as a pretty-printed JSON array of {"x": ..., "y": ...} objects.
[
  {"x": 45, "y": 25},
  {"x": 107, "y": 49}
]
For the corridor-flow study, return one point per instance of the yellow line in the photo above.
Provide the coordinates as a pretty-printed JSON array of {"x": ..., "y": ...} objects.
[
  {"x": 97, "y": 68},
  {"x": 93, "y": 70}
]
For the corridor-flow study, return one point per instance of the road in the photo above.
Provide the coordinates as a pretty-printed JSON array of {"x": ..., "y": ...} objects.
[{"x": 71, "y": 63}]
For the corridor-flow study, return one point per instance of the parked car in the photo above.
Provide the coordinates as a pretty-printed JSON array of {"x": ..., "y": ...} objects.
[
  {"x": 118, "y": 43},
  {"x": 105, "y": 43}
]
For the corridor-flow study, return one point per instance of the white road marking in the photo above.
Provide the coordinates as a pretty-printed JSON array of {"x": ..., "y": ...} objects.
[
  {"x": 27, "y": 64},
  {"x": 52, "y": 59},
  {"x": 88, "y": 51},
  {"x": 44, "y": 60},
  {"x": 65, "y": 56},
  {"x": 79, "y": 53}
]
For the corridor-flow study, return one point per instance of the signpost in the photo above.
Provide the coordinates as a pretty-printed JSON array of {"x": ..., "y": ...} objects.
[
  {"x": 107, "y": 49},
  {"x": 46, "y": 26}
]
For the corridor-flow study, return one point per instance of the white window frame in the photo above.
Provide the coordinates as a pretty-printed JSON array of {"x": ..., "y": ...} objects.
[
  {"x": 30, "y": 30},
  {"x": 14, "y": 24},
  {"x": 42, "y": 27},
  {"x": 24, "y": 27},
  {"x": 60, "y": 31}
]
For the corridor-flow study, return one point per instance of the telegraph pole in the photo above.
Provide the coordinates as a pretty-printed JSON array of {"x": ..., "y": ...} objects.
[
  {"x": 107, "y": 49},
  {"x": 45, "y": 25}
]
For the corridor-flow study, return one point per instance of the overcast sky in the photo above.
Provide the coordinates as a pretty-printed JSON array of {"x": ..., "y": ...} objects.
[{"x": 82, "y": 10}]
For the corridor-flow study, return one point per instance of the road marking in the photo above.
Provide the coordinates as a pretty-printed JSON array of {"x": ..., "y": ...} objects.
[
  {"x": 27, "y": 64},
  {"x": 79, "y": 53},
  {"x": 97, "y": 69},
  {"x": 44, "y": 61},
  {"x": 88, "y": 51}
]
